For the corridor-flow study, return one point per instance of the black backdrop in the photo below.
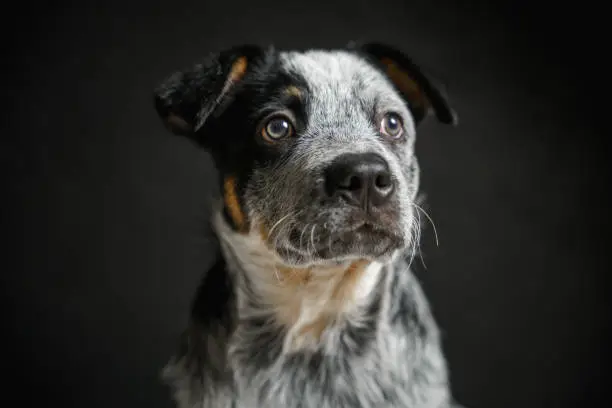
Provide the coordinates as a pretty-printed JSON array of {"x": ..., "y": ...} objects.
[{"x": 107, "y": 213}]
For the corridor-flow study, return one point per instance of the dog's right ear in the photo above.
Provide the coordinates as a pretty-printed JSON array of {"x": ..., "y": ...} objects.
[
  {"x": 422, "y": 95},
  {"x": 186, "y": 99}
]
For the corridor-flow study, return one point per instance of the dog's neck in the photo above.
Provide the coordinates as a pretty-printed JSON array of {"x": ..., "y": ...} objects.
[{"x": 304, "y": 301}]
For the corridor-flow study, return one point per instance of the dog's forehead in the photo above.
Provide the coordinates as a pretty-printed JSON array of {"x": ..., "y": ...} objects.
[
  {"x": 343, "y": 86},
  {"x": 338, "y": 70}
]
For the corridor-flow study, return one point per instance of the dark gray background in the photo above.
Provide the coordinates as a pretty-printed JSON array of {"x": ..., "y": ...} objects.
[{"x": 107, "y": 213}]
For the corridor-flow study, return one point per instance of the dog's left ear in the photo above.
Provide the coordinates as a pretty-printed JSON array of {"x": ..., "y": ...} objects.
[
  {"x": 186, "y": 99},
  {"x": 417, "y": 89}
]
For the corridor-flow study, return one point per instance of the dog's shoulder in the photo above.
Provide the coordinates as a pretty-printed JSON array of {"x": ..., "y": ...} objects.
[
  {"x": 198, "y": 370},
  {"x": 212, "y": 311},
  {"x": 214, "y": 295}
]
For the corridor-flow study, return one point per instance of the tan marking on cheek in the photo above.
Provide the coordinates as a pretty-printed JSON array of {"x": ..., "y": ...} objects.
[
  {"x": 405, "y": 83},
  {"x": 232, "y": 203}
]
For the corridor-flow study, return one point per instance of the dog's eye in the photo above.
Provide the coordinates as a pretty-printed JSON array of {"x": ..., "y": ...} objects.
[
  {"x": 277, "y": 128},
  {"x": 392, "y": 126}
]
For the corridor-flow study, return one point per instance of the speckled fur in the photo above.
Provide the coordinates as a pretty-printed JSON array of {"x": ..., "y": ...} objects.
[{"x": 380, "y": 347}]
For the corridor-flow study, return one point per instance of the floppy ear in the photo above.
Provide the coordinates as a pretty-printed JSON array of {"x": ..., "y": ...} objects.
[
  {"x": 186, "y": 99},
  {"x": 417, "y": 89}
]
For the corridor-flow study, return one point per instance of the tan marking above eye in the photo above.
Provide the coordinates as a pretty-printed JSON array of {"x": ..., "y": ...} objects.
[{"x": 293, "y": 91}]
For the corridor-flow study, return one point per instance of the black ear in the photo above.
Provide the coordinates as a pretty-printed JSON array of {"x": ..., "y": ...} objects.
[
  {"x": 187, "y": 98},
  {"x": 417, "y": 89}
]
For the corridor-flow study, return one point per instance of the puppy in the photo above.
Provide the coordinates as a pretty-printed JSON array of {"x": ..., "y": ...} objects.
[{"x": 311, "y": 302}]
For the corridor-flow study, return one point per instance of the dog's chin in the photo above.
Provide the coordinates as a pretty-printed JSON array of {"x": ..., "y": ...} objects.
[{"x": 360, "y": 242}]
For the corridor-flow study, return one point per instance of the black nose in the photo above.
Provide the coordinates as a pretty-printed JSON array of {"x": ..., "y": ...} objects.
[{"x": 361, "y": 179}]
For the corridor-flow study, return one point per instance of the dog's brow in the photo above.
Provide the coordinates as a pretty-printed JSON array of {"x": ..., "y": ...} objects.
[{"x": 291, "y": 98}]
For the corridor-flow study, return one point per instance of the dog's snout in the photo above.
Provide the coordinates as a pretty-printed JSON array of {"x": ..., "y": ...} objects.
[{"x": 361, "y": 179}]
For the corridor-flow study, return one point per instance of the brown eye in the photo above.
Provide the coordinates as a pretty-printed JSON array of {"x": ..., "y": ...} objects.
[
  {"x": 392, "y": 126},
  {"x": 277, "y": 128}
]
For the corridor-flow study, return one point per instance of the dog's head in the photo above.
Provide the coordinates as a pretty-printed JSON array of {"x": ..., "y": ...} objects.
[{"x": 315, "y": 149}]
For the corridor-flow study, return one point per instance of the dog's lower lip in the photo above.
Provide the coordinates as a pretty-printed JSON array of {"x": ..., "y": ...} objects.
[
  {"x": 364, "y": 227},
  {"x": 367, "y": 227},
  {"x": 363, "y": 233}
]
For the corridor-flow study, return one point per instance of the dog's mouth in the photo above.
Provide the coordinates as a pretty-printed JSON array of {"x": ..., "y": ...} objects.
[{"x": 312, "y": 242}]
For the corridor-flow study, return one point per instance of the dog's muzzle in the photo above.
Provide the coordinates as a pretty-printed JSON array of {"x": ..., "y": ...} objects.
[{"x": 356, "y": 212}]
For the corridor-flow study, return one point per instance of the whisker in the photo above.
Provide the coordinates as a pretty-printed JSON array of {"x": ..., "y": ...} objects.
[
  {"x": 278, "y": 278},
  {"x": 312, "y": 240},
  {"x": 278, "y": 223},
  {"x": 302, "y": 236},
  {"x": 283, "y": 228},
  {"x": 430, "y": 220},
  {"x": 413, "y": 241},
  {"x": 281, "y": 232},
  {"x": 419, "y": 228}
]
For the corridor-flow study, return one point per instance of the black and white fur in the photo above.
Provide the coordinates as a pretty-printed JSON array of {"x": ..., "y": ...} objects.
[{"x": 380, "y": 345}]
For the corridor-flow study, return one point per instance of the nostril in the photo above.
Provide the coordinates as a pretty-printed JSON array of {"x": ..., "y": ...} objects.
[
  {"x": 383, "y": 181},
  {"x": 354, "y": 183},
  {"x": 350, "y": 183}
]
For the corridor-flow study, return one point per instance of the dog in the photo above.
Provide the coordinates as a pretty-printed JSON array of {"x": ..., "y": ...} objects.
[{"x": 311, "y": 302}]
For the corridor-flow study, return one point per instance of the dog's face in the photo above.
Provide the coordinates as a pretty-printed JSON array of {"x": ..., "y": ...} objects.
[{"x": 315, "y": 149}]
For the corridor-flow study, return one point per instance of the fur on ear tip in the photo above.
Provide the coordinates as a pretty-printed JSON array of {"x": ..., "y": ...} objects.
[
  {"x": 158, "y": 103},
  {"x": 448, "y": 117},
  {"x": 178, "y": 125},
  {"x": 455, "y": 119},
  {"x": 352, "y": 44}
]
